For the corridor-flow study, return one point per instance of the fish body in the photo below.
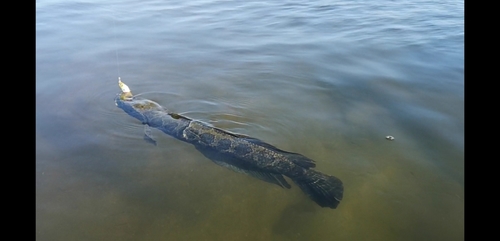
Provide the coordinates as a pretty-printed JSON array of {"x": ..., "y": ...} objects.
[{"x": 237, "y": 152}]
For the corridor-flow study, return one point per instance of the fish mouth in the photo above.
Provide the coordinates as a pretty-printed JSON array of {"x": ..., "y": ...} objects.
[
  {"x": 126, "y": 96},
  {"x": 124, "y": 100}
]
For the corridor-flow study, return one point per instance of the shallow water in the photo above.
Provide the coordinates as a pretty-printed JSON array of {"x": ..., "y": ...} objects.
[{"x": 327, "y": 79}]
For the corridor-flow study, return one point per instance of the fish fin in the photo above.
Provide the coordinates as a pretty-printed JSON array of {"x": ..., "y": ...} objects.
[
  {"x": 292, "y": 156},
  {"x": 325, "y": 190},
  {"x": 228, "y": 132},
  {"x": 281, "y": 180},
  {"x": 238, "y": 135},
  {"x": 148, "y": 136},
  {"x": 239, "y": 166},
  {"x": 264, "y": 176},
  {"x": 301, "y": 160},
  {"x": 178, "y": 116}
]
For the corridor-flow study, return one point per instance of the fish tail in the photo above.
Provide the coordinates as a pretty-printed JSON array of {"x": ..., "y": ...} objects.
[{"x": 325, "y": 190}]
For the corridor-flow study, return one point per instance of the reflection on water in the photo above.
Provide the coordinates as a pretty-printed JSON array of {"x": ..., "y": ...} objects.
[{"x": 327, "y": 80}]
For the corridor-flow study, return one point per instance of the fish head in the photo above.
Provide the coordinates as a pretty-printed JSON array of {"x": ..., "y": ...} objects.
[
  {"x": 134, "y": 106},
  {"x": 137, "y": 107}
]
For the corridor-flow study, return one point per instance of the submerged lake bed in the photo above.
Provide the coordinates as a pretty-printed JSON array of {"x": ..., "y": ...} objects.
[{"x": 326, "y": 79}]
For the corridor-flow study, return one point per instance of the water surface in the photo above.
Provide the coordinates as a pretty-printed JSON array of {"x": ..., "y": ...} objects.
[{"x": 327, "y": 79}]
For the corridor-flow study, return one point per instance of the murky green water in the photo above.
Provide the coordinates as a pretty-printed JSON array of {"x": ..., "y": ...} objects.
[{"x": 327, "y": 79}]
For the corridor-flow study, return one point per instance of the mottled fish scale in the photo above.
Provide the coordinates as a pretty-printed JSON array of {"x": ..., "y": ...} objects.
[{"x": 257, "y": 155}]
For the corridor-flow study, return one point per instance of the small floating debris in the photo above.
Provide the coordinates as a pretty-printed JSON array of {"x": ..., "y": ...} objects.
[{"x": 390, "y": 138}]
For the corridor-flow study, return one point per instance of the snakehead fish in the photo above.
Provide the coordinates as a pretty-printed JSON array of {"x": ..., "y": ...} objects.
[{"x": 237, "y": 152}]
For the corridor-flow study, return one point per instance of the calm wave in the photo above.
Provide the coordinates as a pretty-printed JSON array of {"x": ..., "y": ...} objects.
[{"x": 327, "y": 79}]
